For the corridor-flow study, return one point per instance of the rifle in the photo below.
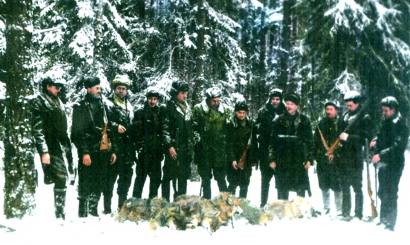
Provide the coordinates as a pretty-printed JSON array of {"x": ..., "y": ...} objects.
[
  {"x": 337, "y": 143},
  {"x": 369, "y": 187},
  {"x": 244, "y": 156}
]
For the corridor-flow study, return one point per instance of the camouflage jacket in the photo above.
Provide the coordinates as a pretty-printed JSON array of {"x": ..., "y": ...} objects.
[{"x": 210, "y": 130}]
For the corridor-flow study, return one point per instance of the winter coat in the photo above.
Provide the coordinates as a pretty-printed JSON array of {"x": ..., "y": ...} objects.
[
  {"x": 392, "y": 140},
  {"x": 49, "y": 125},
  {"x": 210, "y": 129},
  {"x": 180, "y": 136},
  {"x": 330, "y": 129},
  {"x": 291, "y": 147},
  {"x": 179, "y": 126},
  {"x": 350, "y": 152},
  {"x": 123, "y": 114},
  {"x": 264, "y": 123},
  {"x": 239, "y": 136},
  {"x": 149, "y": 130},
  {"x": 89, "y": 116}
]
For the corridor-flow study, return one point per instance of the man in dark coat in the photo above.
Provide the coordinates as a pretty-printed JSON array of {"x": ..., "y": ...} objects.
[
  {"x": 241, "y": 149},
  {"x": 291, "y": 150},
  {"x": 123, "y": 113},
  {"x": 178, "y": 145},
  {"x": 93, "y": 134},
  {"x": 359, "y": 127},
  {"x": 390, "y": 146},
  {"x": 210, "y": 118},
  {"x": 49, "y": 123},
  {"x": 272, "y": 109},
  {"x": 326, "y": 134},
  {"x": 149, "y": 132}
]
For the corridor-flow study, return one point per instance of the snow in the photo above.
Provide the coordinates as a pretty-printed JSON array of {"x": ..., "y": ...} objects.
[
  {"x": 2, "y": 91},
  {"x": 348, "y": 14},
  {"x": 346, "y": 82},
  {"x": 85, "y": 9},
  {"x": 2, "y": 37},
  {"x": 187, "y": 41},
  {"x": 82, "y": 45},
  {"x": 256, "y": 3},
  {"x": 41, "y": 227}
]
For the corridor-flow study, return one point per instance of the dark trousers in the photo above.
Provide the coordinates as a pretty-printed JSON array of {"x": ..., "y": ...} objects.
[
  {"x": 389, "y": 179},
  {"x": 93, "y": 182},
  {"x": 266, "y": 176},
  {"x": 56, "y": 172},
  {"x": 148, "y": 166},
  {"x": 239, "y": 178},
  {"x": 123, "y": 170},
  {"x": 124, "y": 180},
  {"x": 177, "y": 172},
  {"x": 219, "y": 174},
  {"x": 352, "y": 178},
  {"x": 283, "y": 194}
]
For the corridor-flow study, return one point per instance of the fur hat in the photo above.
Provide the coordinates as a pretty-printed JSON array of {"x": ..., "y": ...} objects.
[{"x": 292, "y": 97}]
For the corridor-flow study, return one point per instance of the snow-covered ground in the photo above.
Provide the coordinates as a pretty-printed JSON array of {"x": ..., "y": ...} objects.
[{"x": 41, "y": 227}]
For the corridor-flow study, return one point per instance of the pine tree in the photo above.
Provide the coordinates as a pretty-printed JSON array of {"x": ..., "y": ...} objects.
[{"x": 20, "y": 177}]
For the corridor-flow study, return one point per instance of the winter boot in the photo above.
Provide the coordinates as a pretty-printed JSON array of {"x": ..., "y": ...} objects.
[
  {"x": 326, "y": 201},
  {"x": 93, "y": 204},
  {"x": 338, "y": 201},
  {"x": 107, "y": 204},
  {"x": 83, "y": 208},
  {"x": 59, "y": 203},
  {"x": 243, "y": 192}
]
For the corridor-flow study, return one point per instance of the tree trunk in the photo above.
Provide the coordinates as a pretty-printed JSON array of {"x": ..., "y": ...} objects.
[
  {"x": 200, "y": 80},
  {"x": 20, "y": 174},
  {"x": 285, "y": 43}
]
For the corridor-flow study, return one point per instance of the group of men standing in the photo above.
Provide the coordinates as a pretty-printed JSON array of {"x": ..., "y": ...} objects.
[{"x": 110, "y": 135}]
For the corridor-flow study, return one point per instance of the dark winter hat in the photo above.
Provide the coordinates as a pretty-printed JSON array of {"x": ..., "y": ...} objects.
[
  {"x": 292, "y": 97},
  {"x": 276, "y": 92},
  {"x": 332, "y": 103},
  {"x": 213, "y": 92},
  {"x": 123, "y": 80},
  {"x": 352, "y": 95},
  {"x": 90, "y": 82},
  {"x": 391, "y": 102},
  {"x": 152, "y": 93},
  {"x": 241, "y": 106},
  {"x": 179, "y": 86}
]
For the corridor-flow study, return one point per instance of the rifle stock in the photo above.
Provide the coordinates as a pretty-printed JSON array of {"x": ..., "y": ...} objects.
[{"x": 369, "y": 185}]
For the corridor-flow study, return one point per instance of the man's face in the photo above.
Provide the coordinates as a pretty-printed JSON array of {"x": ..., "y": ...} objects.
[
  {"x": 121, "y": 91},
  {"x": 241, "y": 115},
  {"x": 291, "y": 107},
  {"x": 331, "y": 112},
  {"x": 182, "y": 95},
  {"x": 215, "y": 102},
  {"x": 351, "y": 106},
  {"x": 53, "y": 89},
  {"x": 152, "y": 101},
  {"x": 96, "y": 90},
  {"x": 275, "y": 101},
  {"x": 388, "y": 112}
]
